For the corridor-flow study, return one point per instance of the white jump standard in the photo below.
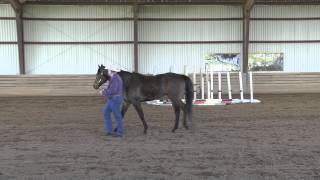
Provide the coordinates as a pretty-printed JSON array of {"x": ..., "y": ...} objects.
[
  {"x": 220, "y": 101},
  {"x": 210, "y": 101}
]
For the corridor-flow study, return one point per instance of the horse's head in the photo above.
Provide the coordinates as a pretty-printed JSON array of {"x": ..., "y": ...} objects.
[{"x": 102, "y": 76}]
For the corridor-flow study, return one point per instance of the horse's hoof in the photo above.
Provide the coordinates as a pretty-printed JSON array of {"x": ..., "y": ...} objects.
[
  {"x": 173, "y": 130},
  {"x": 186, "y": 127},
  {"x": 145, "y": 130}
]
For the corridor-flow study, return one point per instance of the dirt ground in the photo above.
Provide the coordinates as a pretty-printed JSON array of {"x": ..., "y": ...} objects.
[{"x": 63, "y": 138}]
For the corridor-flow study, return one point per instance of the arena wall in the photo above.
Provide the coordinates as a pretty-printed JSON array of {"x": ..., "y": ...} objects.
[
  {"x": 275, "y": 23},
  {"x": 8, "y": 36},
  {"x": 69, "y": 41},
  {"x": 82, "y": 85}
]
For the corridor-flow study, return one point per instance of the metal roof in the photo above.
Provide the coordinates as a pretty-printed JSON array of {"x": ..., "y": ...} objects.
[{"x": 168, "y": 2}]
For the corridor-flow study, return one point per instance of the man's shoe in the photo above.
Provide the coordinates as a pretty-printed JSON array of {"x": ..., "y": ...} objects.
[{"x": 109, "y": 134}]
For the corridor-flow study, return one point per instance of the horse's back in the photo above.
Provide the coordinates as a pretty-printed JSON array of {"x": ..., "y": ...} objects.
[
  {"x": 149, "y": 87},
  {"x": 172, "y": 84}
]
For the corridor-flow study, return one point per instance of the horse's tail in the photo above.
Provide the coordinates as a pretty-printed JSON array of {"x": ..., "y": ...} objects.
[{"x": 189, "y": 98}]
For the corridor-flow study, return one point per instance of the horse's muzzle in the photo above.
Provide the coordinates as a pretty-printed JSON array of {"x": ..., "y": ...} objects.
[{"x": 95, "y": 86}]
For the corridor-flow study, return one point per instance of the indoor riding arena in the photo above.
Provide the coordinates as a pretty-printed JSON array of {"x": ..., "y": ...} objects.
[{"x": 255, "y": 72}]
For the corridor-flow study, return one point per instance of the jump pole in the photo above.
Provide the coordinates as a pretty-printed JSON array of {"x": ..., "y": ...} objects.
[
  {"x": 170, "y": 69},
  {"x": 211, "y": 84},
  {"x": 202, "y": 84},
  {"x": 229, "y": 85},
  {"x": 241, "y": 86},
  {"x": 194, "y": 85},
  {"x": 208, "y": 85},
  {"x": 219, "y": 87},
  {"x": 251, "y": 87}
]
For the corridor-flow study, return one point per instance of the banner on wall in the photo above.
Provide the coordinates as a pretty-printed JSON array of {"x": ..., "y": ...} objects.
[
  {"x": 257, "y": 62},
  {"x": 266, "y": 62},
  {"x": 223, "y": 62}
]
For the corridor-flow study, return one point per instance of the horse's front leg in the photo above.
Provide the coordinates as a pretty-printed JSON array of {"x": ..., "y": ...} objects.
[
  {"x": 125, "y": 108},
  {"x": 137, "y": 106}
]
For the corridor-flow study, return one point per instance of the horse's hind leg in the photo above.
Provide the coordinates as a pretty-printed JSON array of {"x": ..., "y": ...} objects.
[
  {"x": 137, "y": 106},
  {"x": 184, "y": 110},
  {"x": 124, "y": 109},
  {"x": 183, "y": 107},
  {"x": 176, "y": 108}
]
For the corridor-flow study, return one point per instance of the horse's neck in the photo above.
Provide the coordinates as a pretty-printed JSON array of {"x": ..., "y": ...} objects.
[{"x": 125, "y": 76}]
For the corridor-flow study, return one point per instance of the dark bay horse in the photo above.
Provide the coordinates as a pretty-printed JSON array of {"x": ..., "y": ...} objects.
[{"x": 139, "y": 88}]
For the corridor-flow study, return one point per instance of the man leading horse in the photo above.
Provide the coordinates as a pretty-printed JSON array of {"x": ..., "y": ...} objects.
[{"x": 139, "y": 88}]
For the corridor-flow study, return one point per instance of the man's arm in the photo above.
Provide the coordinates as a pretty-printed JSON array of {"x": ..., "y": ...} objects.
[
  {"x": 108, "y": 91},
  {"x": 112, "y": 88}
]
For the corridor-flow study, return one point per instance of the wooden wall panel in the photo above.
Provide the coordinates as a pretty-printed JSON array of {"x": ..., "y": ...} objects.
[{"x": 81, "y": 85}]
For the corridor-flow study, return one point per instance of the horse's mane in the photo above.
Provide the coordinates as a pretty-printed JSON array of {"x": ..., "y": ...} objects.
[
  {"x": 128, "y": 75},
  {"x": 142, "y": 75}
]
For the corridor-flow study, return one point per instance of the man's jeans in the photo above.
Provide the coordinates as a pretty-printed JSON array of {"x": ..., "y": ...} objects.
[{"x": 114, "y": 105}]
